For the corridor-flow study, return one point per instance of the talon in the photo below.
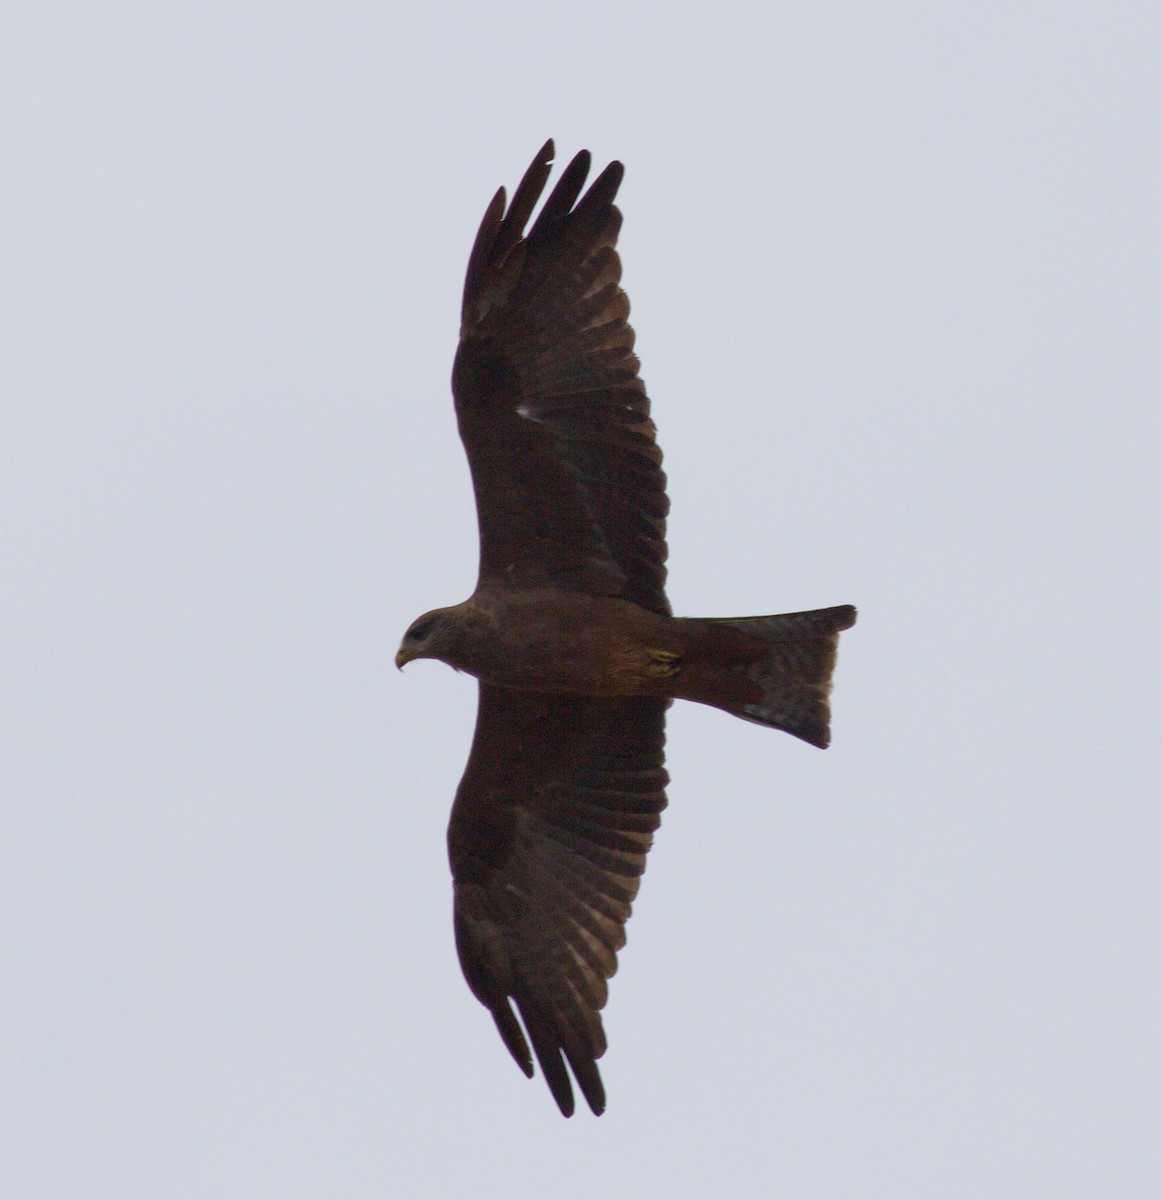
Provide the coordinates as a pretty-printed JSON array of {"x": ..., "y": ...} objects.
[{"x": 664, "y": 663}]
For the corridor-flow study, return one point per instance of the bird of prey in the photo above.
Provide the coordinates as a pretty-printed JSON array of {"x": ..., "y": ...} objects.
[{"x": 569, "y": 631}]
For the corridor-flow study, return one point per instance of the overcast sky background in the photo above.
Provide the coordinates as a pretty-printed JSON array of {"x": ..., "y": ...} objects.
[{"x": 895, "y": 276}]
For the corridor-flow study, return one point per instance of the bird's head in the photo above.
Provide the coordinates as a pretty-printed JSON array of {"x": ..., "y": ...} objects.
[{"x": 426, "y": 637}]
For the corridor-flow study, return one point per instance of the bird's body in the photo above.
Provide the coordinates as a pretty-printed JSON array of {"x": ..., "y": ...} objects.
[
  {"x": 569, "y": 630},
  {"x": 546, "y": 640}
]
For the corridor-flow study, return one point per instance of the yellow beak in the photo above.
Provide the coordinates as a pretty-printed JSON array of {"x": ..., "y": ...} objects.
[{"x": 404, "y": 655}]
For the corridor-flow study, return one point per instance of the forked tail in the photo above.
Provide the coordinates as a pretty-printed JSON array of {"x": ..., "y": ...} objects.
[{"x": 775, "y": 671}]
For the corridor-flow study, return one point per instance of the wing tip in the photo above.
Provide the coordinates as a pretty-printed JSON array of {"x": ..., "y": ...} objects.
[{"x": 503, "y": 226}]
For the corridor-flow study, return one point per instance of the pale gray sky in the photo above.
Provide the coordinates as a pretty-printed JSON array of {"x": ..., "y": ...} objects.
[{"x": 895, "y": 277}]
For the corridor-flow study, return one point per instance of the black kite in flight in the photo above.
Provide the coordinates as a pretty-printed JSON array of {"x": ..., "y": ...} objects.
[{"x": 569, "y": 631}]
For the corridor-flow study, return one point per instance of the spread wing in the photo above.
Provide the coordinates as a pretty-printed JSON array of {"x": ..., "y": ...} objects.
[
  {"x": 569, "y": 488},
  {"x": 548, "y": 840}
]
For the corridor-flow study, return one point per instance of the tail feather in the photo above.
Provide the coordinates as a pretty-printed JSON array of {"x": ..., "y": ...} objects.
[{"x": 775, "y": 671}]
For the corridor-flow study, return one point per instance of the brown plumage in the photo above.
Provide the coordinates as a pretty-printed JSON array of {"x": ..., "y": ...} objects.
[{"x": 569, "y": 630}]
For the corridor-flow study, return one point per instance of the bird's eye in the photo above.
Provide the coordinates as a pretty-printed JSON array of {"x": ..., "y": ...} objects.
[{"x": 417, "y": 633}]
